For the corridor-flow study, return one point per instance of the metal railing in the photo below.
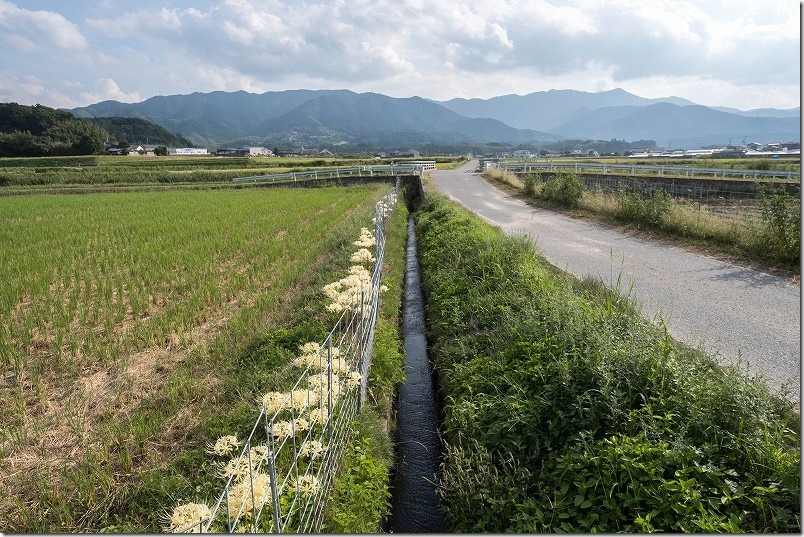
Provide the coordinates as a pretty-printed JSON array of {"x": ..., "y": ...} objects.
[
  {"x": 644, "y": 169},
  {"x": 282, "y": 478},
  {"x": 321, "y": 173}
]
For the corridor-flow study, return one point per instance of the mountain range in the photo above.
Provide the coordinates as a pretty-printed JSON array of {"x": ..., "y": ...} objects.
[{"x": 331, "y": 118}]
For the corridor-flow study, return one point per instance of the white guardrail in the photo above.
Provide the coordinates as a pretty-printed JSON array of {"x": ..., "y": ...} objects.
[
  {"x": 643, "y": 169},
  {"x": 325, "y": 173}
]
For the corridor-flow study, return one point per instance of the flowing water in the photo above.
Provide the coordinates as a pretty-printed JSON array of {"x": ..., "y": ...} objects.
[{"x": 415, "y": 501}]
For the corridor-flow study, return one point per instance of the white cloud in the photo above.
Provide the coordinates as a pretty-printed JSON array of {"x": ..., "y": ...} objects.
[
  {"x": 30, "y": 90},
  {"x": 468, "y": 48},
  {"x": 29, "y": 31},
  {"x": 105, "y": 89}
]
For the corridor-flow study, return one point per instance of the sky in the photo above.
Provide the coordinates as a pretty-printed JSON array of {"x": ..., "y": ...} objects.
[{"x": 71, "y": 53}]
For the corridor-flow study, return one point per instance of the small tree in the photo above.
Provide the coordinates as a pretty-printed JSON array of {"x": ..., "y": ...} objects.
[{"x": 160, "y": 151}]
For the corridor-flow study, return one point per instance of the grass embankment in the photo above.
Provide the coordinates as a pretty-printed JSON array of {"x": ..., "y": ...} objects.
[
  {"x": 765, "y": 231},
  {"x": 361, "y": 500},
  {"x": 137, "y": 328},
  {"x": 566, "y": 411}
]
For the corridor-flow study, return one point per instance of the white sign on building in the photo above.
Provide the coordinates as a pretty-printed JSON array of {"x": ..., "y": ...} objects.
[{"x": 191, "y": 151}]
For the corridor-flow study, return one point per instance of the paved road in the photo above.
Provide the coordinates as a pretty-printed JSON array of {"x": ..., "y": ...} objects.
[{"x": 737, "y": 314}]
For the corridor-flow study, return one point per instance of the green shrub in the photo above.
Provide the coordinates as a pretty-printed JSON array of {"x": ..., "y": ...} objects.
[
  {"x": 651, "y": 210},
  {"x": 565, "y": 188},
  {"x": 780, "y": 236},
  {"x": 531, "y": 180}
]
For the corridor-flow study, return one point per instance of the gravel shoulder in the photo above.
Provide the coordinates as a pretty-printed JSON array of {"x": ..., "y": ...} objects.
[{"x": 737, "y": 314}]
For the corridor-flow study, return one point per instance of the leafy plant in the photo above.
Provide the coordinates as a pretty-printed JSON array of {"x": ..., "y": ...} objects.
[
  {"x": 781, "y": 234},
  {"x": 361, "y": 496},
  {"x": 564, "y": 188},
  {"x": 651, "y": 209},
  {"x": 531, "y": 180}
]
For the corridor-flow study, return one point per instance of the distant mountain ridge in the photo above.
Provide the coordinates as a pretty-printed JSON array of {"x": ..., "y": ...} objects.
[
  {"x": 550, "y": 109},
  {"x": 326, "y": 118}
]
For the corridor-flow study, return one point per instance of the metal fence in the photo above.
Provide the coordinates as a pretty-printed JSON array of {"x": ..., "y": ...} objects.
[
  {"x": 643, "y": 169},
  {"x": 679, "y": 182},
  {"x": 282, "y": 478},
  {"x": 320, "y": 173}
]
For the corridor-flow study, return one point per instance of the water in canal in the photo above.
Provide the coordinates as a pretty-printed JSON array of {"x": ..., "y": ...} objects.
[{"x": 415, "y": 501}]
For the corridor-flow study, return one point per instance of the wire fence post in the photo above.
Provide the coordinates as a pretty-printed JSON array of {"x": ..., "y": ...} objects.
[{"x": 361, "y": 361}]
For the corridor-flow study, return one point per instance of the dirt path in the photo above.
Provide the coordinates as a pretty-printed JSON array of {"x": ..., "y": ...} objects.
[{"x": 735, "y": 313}]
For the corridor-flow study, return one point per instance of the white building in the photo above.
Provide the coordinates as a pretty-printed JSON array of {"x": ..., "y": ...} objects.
[{"x": 188, "y": 151}]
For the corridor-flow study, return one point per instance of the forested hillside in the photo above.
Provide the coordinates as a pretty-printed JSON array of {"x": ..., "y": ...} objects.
[
  {"x": 41, "y": 131},
  {"x": 139, "y": 131},
  {"x": 37, "y": 131}
]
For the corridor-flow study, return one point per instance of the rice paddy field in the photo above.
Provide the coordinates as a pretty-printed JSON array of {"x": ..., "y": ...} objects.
[{"x": 130, "y": 325}]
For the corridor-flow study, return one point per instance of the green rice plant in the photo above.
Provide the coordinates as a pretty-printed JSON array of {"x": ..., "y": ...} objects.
[{"x": 146, "y": 298}]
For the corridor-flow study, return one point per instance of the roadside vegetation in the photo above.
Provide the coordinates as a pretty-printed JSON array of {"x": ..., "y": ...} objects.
[
  {"x": 566, "y": 411},
  {"x": 753, "y": 163},
  {"x": 136, "y": 328},
  {"x": 766, "y": 231}
]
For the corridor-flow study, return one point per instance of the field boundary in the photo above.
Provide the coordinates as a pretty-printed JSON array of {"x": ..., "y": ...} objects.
[{"x": 285, "y": 471}]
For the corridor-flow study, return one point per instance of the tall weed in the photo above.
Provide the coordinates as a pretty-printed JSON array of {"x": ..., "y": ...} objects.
[
  {"x": 644, "y": 209},
  {"x": 780, "y": 235},
  {"x": 564, "y": 188}
]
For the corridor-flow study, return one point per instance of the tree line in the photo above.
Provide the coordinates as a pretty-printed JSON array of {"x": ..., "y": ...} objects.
[
  {"x": 41, "y": 131},
  {"x": 38, "y": 131}
]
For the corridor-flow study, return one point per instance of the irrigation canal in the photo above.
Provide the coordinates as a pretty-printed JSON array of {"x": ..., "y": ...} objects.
[{"x": 415, "y": 501}]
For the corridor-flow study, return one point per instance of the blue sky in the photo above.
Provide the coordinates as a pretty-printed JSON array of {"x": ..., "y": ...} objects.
[{"x": 69, "y": 53}]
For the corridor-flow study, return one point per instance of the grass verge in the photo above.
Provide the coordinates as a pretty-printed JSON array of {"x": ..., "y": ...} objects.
[
  {"x": 566, "y": 411},
  {"x": 361, "y": 500},
  {"x": 764, "y": 232}
]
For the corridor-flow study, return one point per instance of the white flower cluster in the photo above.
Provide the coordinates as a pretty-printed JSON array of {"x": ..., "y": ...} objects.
[
  {"x": 287, "y": 429},
  {"x": 362, "y": 256},
  {"x": 274, "y": 402},
  {"x": 353, "y": 379},
  {"x": 225, "y": 445},
  {"x": 241, "y": 468},
  {"x": 386, "y": 205},
  {"x": 366, "y": 239},
  {"x": 307, "y": 484},
  {"x": 241, "y": 500},
  {"x": 346, "y": 292},
  {"x": 312, "y": 449},
  {"x": 186, "y": 515},
  {"x": 313, "y": 356}
]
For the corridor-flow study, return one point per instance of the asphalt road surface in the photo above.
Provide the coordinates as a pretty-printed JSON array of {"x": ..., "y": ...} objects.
[{"x": 736, "y": 314}]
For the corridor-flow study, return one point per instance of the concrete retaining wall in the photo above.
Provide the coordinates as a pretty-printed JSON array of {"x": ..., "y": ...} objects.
[{"x": 684, "y": 186}]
